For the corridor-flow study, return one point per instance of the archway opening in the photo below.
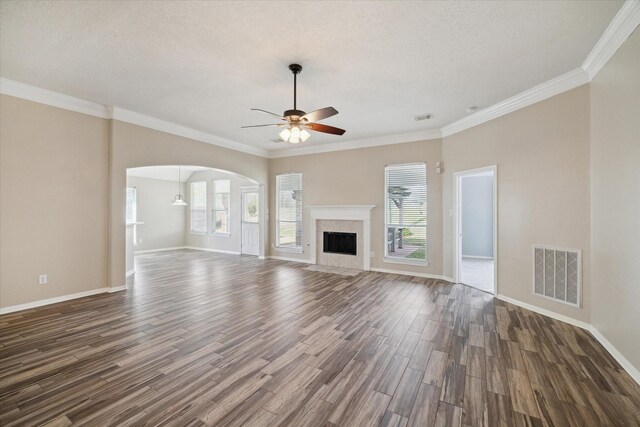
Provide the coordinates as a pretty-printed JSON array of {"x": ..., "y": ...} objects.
[{"x": 187, "y": 207}]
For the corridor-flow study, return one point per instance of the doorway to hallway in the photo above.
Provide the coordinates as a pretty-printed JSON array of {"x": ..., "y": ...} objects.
[{"x": 476, "y": 221}]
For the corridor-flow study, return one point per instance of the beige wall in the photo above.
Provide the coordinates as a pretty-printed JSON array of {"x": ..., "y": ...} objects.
[
  {"x": 54, "y": 201},
  {"x": 542, "y": 153},
  {"x": 62, "y": 206},
  {"x": 233, "y": 241},
  {"x": 568, "y": 176},
  {"x": 615, "y": 195},
  {"x": 356, "y": 177},
  {"x": 163, "y": 224},
  {"x": 136, "y": 146}
]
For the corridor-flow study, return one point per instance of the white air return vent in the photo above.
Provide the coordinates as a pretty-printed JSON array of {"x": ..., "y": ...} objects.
[{"x": 557, "y": 274}]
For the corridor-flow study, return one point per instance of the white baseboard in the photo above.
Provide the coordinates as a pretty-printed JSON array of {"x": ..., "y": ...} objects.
[
  {"x": 220, "y": 251},
  {"x": 117, "y": 288},
  {"x": 149, "y": 251},
  {"x": 283, "y": 258},
  {"x": 379, "y": 270},
  {"x": 130, "y": 272},
  {"x": 262, "y": 257},
  {"x": 553, "y": 315},
  {"x": 195, "y": 248},
  {"x": 42, "y": 302},
  {"x": 632, "y": 370},
  {"x": 411, "y": 273}
]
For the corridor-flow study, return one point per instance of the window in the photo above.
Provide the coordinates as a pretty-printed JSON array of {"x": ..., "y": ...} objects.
[
  {"x": 289, "y": 211},
  {"x": 198, "y": 207},
  {"x": 132, "y": 208},
  {"x": 250, "y": 207},
  {"x": 406, "y": 212},
  {"x": 221, "y": 204}
]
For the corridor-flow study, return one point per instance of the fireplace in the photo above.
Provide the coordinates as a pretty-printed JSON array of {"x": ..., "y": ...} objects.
[
  {"x": 343, "y": 219},
  {"x": 335, "y": 242}
]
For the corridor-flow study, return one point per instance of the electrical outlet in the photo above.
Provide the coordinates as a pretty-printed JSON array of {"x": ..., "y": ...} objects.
[{"x": 42, "y": 279}]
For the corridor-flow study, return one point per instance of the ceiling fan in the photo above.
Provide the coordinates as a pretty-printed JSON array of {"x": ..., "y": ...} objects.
[{"x": 296, "y": 122}]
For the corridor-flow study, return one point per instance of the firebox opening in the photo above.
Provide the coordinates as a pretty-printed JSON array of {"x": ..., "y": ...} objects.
[{"x": 340, "y": 243}]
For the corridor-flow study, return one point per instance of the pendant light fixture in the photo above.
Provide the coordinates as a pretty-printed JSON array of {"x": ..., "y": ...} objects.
[{"x": 179, "y": 200}]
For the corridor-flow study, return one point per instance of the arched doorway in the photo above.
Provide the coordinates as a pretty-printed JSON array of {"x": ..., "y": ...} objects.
[{"x": 217, "y": 211}]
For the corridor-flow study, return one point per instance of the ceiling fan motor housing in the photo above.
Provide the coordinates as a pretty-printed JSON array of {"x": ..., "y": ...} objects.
[
  {"x": 294, "y": 115},
  {"x": 295, "y": 68}
]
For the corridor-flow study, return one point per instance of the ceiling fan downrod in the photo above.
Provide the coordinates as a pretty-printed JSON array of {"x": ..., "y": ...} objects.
[{"x": 295, "y": 69}]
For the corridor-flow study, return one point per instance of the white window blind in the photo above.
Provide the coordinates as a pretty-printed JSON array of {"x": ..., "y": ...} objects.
[
  {"x": 198, "y": 207},
  {"x": 289, "y": 210},
  {"x": 406, "y": 212},
  {"x": 221, "y": 205}
]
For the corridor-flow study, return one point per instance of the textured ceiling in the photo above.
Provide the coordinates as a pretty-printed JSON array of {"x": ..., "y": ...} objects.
[{"x": 205, "y": 64}]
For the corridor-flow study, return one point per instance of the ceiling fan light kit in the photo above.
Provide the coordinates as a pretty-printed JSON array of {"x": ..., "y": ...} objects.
[
  {"x": 294, "y": 135},
  {"x": 297, "y": 122}
]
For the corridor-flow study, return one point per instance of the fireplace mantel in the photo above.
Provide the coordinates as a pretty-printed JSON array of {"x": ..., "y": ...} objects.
[{"x": 342, "y": 213}]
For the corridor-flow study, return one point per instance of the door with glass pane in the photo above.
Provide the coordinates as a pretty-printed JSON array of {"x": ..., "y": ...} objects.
[{"x": 250, "y": 226}]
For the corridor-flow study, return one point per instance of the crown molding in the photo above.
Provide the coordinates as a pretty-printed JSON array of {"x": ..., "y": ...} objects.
[
  {"x": 354, "y": 144},
  {"x": 622, "y": 25},
  {"x": 66, "y": 102},
  {"x": 620, "y": 28},
  {"x": 143, "y": 120},
  {"x": 543, "y": 91},
  {"x": 55, "y": 99}
]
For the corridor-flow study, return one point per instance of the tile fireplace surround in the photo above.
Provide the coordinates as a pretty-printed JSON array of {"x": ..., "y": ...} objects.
[
  {"x": 340, "y": 260},
  {"x": 343, "y": 218}
]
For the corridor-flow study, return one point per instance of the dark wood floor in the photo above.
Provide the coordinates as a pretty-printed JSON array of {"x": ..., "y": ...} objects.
[{"x": 209, "y": 339}]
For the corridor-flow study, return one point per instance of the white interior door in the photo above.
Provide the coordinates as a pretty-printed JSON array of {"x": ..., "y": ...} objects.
[{"x": 250, "y": 224}]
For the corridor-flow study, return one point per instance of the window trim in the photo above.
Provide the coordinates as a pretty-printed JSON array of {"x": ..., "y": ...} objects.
[
  {"x": 290, "y": 249},
  {"x": 191, "y": 230},
  {"x": 214, "y": 210},
  {"x": 220, "y": 234},
  {"x": 399, "y": 260}
]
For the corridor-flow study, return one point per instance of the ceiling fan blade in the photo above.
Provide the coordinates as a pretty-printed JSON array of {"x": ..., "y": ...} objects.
[
  {"x": 320, "y": 114},
  {"x": 269, "y": 112},
  {"x": 324, "y": 128},
  {"x": 260, "y": 126}
]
